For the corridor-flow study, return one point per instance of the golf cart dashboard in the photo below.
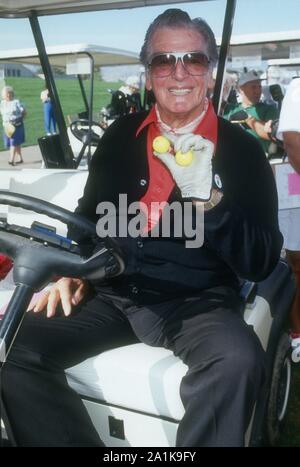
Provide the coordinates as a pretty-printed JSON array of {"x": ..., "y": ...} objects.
[{"x": 41, "y": 233}]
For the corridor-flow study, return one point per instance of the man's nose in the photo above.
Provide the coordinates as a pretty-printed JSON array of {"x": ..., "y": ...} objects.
[{"x": 179, "y": 71}]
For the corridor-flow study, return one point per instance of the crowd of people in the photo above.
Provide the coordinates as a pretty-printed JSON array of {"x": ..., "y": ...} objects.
[{"x": 184, "y": 299}]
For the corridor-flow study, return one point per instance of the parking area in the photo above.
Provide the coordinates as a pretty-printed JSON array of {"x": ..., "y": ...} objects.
[{"x": 31, "y": 155}]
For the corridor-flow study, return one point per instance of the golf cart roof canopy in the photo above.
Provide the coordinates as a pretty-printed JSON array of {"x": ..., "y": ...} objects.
[
  {"x": 61, "y": 54},
  {"x": 24, "y": 8}
]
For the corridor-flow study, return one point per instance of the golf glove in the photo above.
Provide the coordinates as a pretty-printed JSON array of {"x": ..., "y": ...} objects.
[{"x": 194, "y": 180}]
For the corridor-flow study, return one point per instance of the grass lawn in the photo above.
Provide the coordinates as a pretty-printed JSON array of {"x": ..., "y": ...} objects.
[{"x": 28, "y": 91}]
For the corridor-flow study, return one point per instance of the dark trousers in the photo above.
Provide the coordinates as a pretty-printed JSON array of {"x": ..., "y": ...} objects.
[{"x": 223, "y": 354}]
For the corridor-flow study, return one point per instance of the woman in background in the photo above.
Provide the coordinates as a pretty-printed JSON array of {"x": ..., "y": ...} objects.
[{"x": 12, "y": 113}]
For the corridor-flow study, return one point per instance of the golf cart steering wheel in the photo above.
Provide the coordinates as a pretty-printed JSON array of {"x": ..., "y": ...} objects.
[
  {"x": 80, "y": 129},
  {"x": 51, "y": 254}
]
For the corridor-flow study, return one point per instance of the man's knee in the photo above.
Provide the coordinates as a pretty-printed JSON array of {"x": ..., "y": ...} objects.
[{"x": 246, "y": 362}]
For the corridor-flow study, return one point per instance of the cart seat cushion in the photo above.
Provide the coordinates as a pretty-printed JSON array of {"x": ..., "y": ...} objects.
[{"x": 137, "y": 377}]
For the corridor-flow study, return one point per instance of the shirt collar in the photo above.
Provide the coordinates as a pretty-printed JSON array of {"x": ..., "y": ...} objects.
[
  {"x": 151, "y": 118},
  {"x": 188, "y": 128},
  {"x": 154, "y": 117}
]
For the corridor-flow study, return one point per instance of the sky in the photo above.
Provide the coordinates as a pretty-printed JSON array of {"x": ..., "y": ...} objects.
[{"x": 125, "y": 29}]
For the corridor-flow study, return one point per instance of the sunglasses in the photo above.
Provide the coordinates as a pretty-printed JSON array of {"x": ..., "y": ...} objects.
[{"x": 164, "y": 64}]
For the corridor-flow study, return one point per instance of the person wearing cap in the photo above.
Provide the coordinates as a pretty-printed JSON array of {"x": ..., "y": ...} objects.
[
  {"x": 131, "y": 90},
  {"x": 179, "y": 296},
  {"x": 132, "y": 85},
  {"x": 258, "y": 113}
]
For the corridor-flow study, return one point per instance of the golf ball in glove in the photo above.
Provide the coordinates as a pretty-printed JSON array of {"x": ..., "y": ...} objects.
[
  {"x": 161, "y": 144},
  {"x": 184, "y": 158}
]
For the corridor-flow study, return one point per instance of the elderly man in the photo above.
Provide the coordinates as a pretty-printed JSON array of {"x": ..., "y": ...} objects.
[
  {"x": 258, "y": 113},
  {"x": 171, "y": 294}
]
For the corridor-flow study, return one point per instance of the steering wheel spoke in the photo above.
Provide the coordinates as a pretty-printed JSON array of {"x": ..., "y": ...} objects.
[
  {"x": 38, "y": 256},
  {"x": 82, "y": 129}
]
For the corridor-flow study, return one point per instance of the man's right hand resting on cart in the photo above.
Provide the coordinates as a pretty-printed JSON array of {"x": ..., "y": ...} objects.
[{"x": 67, "y": 291}]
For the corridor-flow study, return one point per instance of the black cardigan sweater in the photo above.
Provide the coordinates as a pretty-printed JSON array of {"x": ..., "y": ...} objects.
[{"x": 241, "y": 235}]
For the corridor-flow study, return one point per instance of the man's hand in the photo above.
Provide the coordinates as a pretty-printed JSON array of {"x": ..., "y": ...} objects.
[
  {"x": 69, "y": 292},
  {"x": 268, "y": 127},
  {"x": 194, "y": 180}
]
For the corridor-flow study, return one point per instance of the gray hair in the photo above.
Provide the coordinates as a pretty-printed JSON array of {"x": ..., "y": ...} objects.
[
  {"x": 5, "y": 90},
  {"x": 176, "y": 18}
]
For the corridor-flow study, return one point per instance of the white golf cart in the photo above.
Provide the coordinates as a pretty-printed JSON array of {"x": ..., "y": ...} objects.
[
  {"x": 131, "y": 393},
  {"x": 75, "y": 60}
]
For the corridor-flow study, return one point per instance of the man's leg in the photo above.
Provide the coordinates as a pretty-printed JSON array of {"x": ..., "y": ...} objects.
[
  {"x": 226, "y": 367},
  {"x": 41, "y": 408}
]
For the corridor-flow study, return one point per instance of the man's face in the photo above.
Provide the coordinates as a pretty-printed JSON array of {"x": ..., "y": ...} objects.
[
  {"x": 179, "y": 95},
  {"x": 251, "y": 92}
]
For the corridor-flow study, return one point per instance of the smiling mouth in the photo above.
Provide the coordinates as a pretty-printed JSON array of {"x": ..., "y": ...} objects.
[{"x": 180, "y": 92}]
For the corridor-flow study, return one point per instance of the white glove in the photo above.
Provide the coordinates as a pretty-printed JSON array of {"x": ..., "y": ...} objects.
[{"x": 194, "y": 180}]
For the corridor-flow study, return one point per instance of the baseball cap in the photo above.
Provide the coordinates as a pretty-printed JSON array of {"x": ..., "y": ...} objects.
[
  {"x": 133, "y": 81},
  {"x": 249, "y": 76}
]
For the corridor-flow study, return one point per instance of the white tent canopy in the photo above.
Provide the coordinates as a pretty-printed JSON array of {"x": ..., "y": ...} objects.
[
  {"x": 23, "y": 8},
  {"x": 282, "y": 44},
  {"x": 285, "y": 62},
  {"x": 59, "y": 55}
]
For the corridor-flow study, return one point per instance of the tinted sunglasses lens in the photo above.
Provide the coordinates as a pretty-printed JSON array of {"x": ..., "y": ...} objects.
[
  {"x": 196, "y": 63},
  {"x": 163, "y": 65}
]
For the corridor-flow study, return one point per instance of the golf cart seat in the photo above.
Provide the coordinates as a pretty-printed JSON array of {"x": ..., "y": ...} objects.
[
  {"x": 52, "y": 151},
  {"x": 132, "y": 393}
]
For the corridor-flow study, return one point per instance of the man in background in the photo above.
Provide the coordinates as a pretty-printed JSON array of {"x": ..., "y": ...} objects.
[{"x": 256, "y": 113}]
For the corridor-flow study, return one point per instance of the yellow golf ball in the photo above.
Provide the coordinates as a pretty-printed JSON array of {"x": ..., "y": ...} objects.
[
  {"x": 184, "y": 158},
  {"x": 161, "y": 144}
]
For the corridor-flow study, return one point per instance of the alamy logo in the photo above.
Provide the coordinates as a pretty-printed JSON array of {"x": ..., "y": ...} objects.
[{"x": 166, "y": 220}]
